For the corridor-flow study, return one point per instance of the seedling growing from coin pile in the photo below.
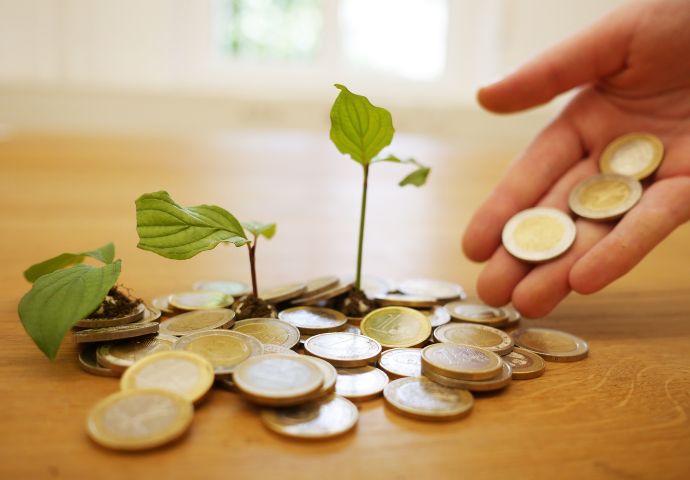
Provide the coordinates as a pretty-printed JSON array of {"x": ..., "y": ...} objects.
[
  {"x": 65, "y": 291},
  {"x": 179, "y": 233},
  {"x": 362, "y": 130}
]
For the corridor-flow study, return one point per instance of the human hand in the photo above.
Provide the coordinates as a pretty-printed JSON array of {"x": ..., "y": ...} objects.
[{"x": 634, "y": 66}]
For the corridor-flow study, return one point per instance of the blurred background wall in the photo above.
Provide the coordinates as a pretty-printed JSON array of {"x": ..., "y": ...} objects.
[{"x": 171, "y": 66}]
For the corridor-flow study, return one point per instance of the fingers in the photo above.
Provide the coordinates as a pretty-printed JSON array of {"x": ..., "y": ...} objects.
[
  {"x": 594, "y": 53},
  {"x": 503, "y": 273},
  {"x": 547, "y": 284},
  {"x": 663, "y": 207},
  {"x": 525, "y": 181}
]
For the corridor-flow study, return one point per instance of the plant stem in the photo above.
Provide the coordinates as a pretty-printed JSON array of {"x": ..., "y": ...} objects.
[
  {"x": 358, "y": 279},
  {"x": 252, "y": 263}
]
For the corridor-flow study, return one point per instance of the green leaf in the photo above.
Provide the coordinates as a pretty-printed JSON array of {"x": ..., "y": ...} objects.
[
  {"x": 257, "y": 228},
  {"x": 358, "y": 128},
  {"x": 179, "y": 233},
  {"x": 58, "y": 300},
  {"x": 417, "y": 178},
  {"x": 105, "y": 254}
]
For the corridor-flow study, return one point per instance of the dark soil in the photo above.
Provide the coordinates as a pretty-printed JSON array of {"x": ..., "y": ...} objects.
[
  {"x": 118, "y": 303},
  {"x": 250, "y": 306},
  {"x": 353, "y": 304}
]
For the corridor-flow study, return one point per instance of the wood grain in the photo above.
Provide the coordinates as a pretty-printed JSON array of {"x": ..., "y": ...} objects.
[{"x": 621, "y": 413}]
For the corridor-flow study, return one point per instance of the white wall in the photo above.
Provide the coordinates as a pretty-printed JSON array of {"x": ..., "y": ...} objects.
[{"x": 160, "y": 51}]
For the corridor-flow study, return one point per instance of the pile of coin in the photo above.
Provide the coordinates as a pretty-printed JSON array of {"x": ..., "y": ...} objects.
[
  {"x": 541, "y": 234},
  {"x": 309, "y": 368}
]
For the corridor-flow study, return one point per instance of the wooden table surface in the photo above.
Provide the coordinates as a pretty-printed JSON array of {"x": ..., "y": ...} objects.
[{"x": 621, "y": 413}]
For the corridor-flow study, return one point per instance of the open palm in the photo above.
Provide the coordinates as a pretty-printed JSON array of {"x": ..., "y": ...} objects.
[{"x": 634, "y": 69}]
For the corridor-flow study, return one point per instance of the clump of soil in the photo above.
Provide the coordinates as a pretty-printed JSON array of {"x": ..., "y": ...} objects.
[
  {"x": 118, "y": 303},
  {"x": 353, "y": 304},
  {"x": 250, "y": 306}
]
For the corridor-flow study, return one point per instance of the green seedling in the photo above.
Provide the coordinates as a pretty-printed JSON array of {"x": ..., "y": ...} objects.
[
  {"x": 179, "y": 233},
  {"x": 60, "y": 296},
  {"x": 362, "y": 130}
]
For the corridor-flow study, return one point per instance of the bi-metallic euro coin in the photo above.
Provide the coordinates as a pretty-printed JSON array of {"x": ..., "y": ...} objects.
[
  {"x": 636, "y": 155},
  {"x": 343, "y": 349},
  {"x": 139, "y": 419},
  {"x": 199, "y": 300},
  {"x": 551, "y": 345},
  {"x": 443, "y": 291},
  {"x": 402, "y": 362},
  {"x": 539, "y": 234},
  {"x": 121, "y": 354},
  {"x": 228, "y": 287},
  {"x": 423, "y": 399},
  {"x": 605, "y": 197},
  {"x": 283, "y": 292},
  {"x": 137, "y": 314},
  {"x": 89, "y": 363},
  {"x": 496, "y": 382},
  {"x": 269, "y": 331},
  {"x": 360, "y": 384},
  {"x": 314, "y": 320},
  {"x": 482, "y": 336},
  {"x": 476, "y": 313},
  {"x": 198, "y": 321},
  {"x": 224, "y": 349},
  {"x": 464, "y": 362},
  {"x": 114, "y": 333},
  {"x": 524, "y": 364},
  {"x": 396, "y": 327}
]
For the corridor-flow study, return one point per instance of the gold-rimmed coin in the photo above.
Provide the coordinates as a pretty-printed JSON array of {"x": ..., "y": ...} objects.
[
  {"x": 437, "y": 316},
  {"x": 605, "y": 197},
  {"x": 322, "y": 418},
  {"x": 476, "y": 313},
  {"x": 343, "y": 349},
  {"x": 283, "y": 292},
  {"x": 539, "y": 234},
  {"x": 114, "y": 333},
  {"x": 482, "y": 336},
  {"x": 321, "y": 284},
  {"x": 402, "y": 362},
  {"x": 151, "y": 314},
  {"x": 184, "y": 373},
  {"x": 271, "y": 349},
  {"x": 139, "y": 419},
  {"x": 513, "y": 316},
  {"x": 199, "y": 300},
  {"x": 502, "y": 380},
  {"x": 400, "y": 300},
  {"x": 89, "y": 363},
  {"x": 551, "y": 345},
  {"x": 314, "y": 320},
  {"x": 396, "y": 327},
  {"x": 198, "y": 321},
  {"x": 121, "y": 354},
  {"x": 422, "y": 399},
  {"x": 464, "y": 362},
  {"x": 425, "y": 287},
  {"x": 137, "y": 314},
  {"x": 278, "y": 380},
  {"x": 524, "y": 364},
  {"x": 161, "y": 303},
  {"x": 269, "y": 331},
  {"x": 636, "y": 155},
  {"x": 228, "y": 287},
  {"x": 325, "y": 295},
  {"x": 224, "y": 349},
  {"x": 330, "y": 376},
  {"x": 360, "y": 384}
]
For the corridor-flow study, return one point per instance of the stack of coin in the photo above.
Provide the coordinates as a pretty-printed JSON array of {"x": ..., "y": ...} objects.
[
  {"x": 465, "y": 366},
  {"x": 322, "y": 295},
  {"x": 119, "y": 355},
  {"x": 482, "y": 336}
]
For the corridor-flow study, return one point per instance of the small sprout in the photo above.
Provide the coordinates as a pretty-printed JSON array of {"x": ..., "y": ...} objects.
[
  {"x": 179, "y": 233},
  {"x": 362, "y": 130},
  {"x": 60, "y": 297}
]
